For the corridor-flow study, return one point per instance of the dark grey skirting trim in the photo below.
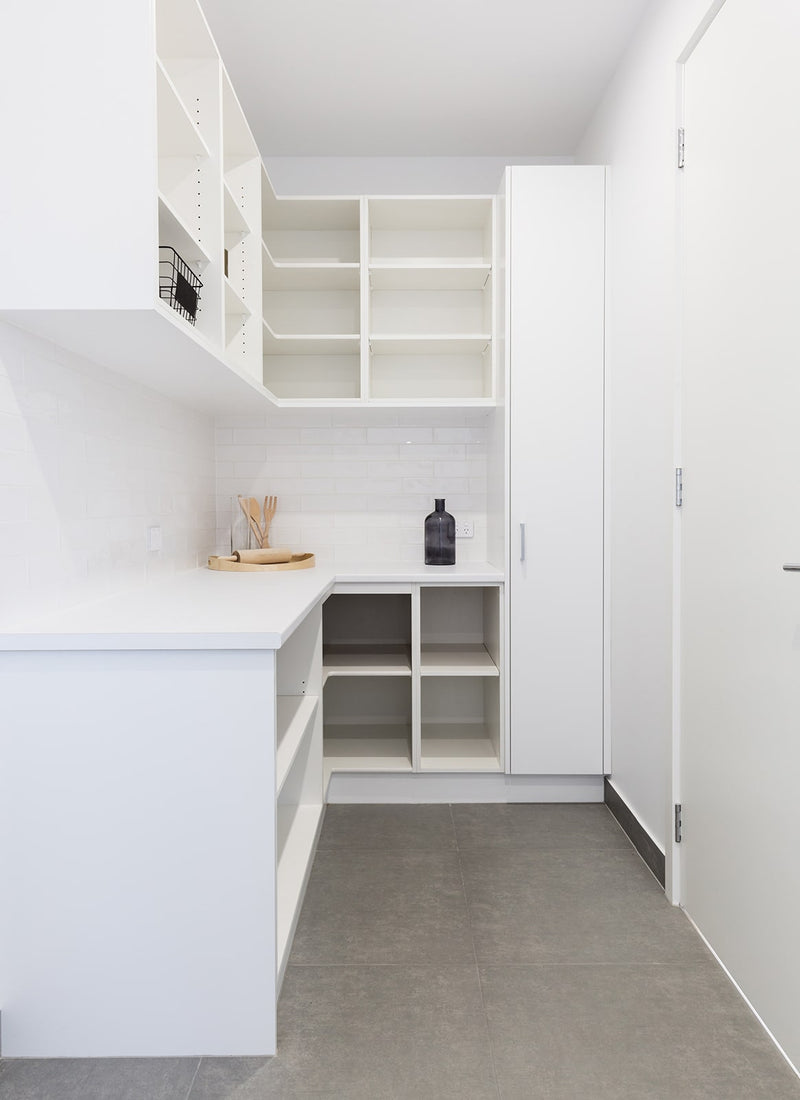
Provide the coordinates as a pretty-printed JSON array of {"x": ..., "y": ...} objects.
[{"x": 638, "y": 836}]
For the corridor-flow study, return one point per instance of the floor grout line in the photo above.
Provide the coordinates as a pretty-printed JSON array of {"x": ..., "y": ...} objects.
[{"x": 477, "y": 964}]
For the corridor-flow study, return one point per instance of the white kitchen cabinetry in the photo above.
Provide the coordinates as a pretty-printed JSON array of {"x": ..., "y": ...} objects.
[
  {"x": 161, "y": 797},
  {"x": 311, "y": 297},
  {"x": 412, "y": 679},
  {"x": 298, "y": 773},
  {"x": 138, "y": 160},
  {"x": 429, "y": 306},
  {"x": 555, "y": 420}
]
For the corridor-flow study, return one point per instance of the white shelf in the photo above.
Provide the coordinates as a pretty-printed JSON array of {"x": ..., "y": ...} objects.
[
  {"x": 422, "y": 275},
  {"x": 308, "y": 213},
  {"x": 298, "y": 828},
  {"x": 351, "y": 748},
  {"x": 295, "y": 717},
  {"x": 430, "y": 344},
  {"x": 172, "y": 230},
  {"x": 235, "y": 221},
  {"x": 457, "y": 660},
  {"x": 178, "y": 135},
  {"x": 234, "y": 303},
  {"x": 355, "y": 660},
  {"x": 299, "y": 377},
  {"x": 291, "y": 344},
  {"x": 282, "y": 275},
  {"x": 455, "y": 747}
]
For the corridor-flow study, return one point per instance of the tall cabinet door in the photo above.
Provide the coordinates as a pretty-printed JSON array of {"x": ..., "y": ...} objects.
[{"x": 556, "y": 288}]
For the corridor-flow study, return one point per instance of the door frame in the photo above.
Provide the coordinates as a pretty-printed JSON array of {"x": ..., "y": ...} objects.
[{"x": 673, "y": 848}]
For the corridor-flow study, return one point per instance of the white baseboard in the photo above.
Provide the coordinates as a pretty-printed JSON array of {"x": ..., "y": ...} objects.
[{"x": 373, "y": 787}]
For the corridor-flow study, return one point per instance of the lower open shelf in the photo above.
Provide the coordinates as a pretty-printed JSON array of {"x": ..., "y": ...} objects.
[
  {"x": 380, "y": 748},
  {"x": 298, "y": 828},
  {"x": 458, "y": 747}
]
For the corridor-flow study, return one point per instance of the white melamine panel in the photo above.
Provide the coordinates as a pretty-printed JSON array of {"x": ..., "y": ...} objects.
[
  {"x": 460, "y": 724},
  {"x": 368, "y": 724},
  {"x": 278, "y": 343},
  {"x": 357, "y": 660},
  {"x": 409, "y": 276},
  {"x": 295, "y": 716},
  {"x": 430, "y": 230},
  {"x": 313, "y": 377},
  {"x": 556, "y": 278},
  {"x": 175, "y": 232},
  {"x": 313, "y": 312},
  {"x": 425, "y": 376},
  {"x": 182, "y": 31},
  {"x": 178, "y": 133},
  {"x": 367, "y": 620},
  {"x": 196, "y": 81},
  {"x": 307, "y": 276},
  {"x": 739, "y": 610},
  {"x": 429, "y": 312},
  {"x": 129, "y": 782},
  {"x": 298, "y": 821},
  {"x": 78, "y": 119}
]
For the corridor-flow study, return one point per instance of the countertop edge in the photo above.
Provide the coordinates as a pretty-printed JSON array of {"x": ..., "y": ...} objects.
[{"x": 50, "y": 636}]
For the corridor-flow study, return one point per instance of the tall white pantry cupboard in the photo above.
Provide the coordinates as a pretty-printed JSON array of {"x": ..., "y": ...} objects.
[{"x": 555, "y": 416}]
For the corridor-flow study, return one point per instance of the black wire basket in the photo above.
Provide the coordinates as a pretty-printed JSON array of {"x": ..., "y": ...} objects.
[{"x": 177, "y": 283}]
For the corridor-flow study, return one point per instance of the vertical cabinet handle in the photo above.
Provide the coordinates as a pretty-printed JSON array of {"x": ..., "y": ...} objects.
[{"x": 522, "y": 542}]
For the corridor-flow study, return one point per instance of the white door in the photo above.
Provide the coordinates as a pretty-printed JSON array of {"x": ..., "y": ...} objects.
[
  {"x": 556, "y": 280},
  {"x": 740, "y": 612}
]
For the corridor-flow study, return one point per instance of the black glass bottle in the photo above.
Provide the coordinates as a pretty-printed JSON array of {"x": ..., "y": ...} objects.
[{"x": 440, "y": 537}]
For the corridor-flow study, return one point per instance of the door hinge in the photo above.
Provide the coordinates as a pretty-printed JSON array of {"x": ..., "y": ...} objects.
[
  {"x": 679, "y": 486},
  {"x": 678, "y": 823},
  {"x": 681, "y": 147}
]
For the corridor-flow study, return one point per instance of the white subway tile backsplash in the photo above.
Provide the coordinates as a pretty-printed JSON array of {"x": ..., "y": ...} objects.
[
  {"x": 360, "y": 482},
  {"x": 403, "y": 436},
  {"x": 93, "y": 459}
]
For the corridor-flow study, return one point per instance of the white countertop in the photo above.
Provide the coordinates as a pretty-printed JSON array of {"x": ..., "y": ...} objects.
[{"x": 207, "y": 609}]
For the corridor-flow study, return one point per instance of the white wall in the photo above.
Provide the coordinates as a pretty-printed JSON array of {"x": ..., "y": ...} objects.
[
  {"x": 357, "y": 484},
  {"x": 634, "y": 132},
  {"x": 88, "y": 461},
  {"x": 393, "y": 175}
]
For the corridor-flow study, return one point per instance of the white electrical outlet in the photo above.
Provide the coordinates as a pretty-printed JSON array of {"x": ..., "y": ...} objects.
[
  {"x": 153, "y": 538},
  {"x": 465, "y": 529}
]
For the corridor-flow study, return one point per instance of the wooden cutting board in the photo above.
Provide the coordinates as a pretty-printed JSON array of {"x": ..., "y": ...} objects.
[{"x": 297, "y": 561}]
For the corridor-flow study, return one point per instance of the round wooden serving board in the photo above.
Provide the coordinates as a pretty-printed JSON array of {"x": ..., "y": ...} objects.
[{"x": 298, "y": 561}]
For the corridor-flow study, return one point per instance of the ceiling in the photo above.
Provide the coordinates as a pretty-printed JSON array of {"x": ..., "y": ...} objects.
[{"x": 421, "y": 77}]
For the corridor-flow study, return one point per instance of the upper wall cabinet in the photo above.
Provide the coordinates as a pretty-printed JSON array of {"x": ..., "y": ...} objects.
[
  {"x": 143, "y": 232},
  {"x": 430, "y": 298}
]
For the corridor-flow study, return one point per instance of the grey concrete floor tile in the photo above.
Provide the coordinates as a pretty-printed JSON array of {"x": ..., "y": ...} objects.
[
  {"x": 43, "y": 1078},
  {"x": 140, "y": 1078},
  {"x": 628, "y": 1033},
  {"x": 572, "y": 906},
  {"x": 421, "y": 827},
  {"x": 368, "y": 1033},
  {"x": 537, "y": 825},
  {"x": 96, "y": 1078},
  {"x": 384, "y": 907}
]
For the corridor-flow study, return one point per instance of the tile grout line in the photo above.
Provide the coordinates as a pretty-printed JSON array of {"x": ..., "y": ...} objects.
[
  {"x": 475, "y": 954},
  {"x": 194, "y": 1078}
]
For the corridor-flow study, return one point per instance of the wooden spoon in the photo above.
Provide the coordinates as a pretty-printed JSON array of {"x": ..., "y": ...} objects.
[
  {"x": 270, "y": 508},
  {"x": 246, "y": 504}
]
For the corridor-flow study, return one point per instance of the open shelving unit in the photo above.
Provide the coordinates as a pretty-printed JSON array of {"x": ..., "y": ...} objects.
[
  {"x": 311, "y": 305},
  {"x": 188, "y": 113},
  {"x": 298, "y": 773},
  {"x": 307, "y": 301},
  {"x": 460, "y": 632},
  {"x": 412, "y": 679},
  {"x": 430, "y": 298},
  {"x": 367, "y": 673},
  {"x": 241, "y": 205}
]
